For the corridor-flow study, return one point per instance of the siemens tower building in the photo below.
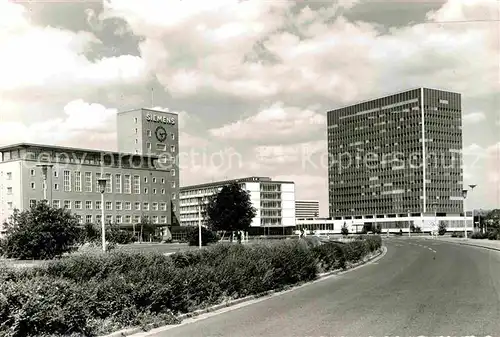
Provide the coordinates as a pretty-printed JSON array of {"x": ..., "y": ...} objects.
[{"x": 396, "y": 161}]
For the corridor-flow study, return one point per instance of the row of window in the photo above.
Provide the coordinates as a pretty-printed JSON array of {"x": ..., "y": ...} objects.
[
  {"x": 108, "y": 205},
  {"x": 119, "y": 219}
]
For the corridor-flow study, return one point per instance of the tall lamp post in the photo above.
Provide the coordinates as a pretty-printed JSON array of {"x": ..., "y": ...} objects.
[
  {"x": 472, "y": 186},
  {"x": 464, "y": 195},
  {"x": 45, "y": 168},
  {"x": 102, "y": 188}
]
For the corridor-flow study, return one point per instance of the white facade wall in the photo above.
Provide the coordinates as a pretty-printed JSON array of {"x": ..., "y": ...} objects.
[
  {"x": 10, "y": 180},
  {"x": 288, "y": 204},
  {"x": 254, "y": 190}
]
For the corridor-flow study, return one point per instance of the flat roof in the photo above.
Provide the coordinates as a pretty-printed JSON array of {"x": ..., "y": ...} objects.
[
  {"x": 229, "y": 181},
  {"x": 389, "y": 95},
  {"x": 149, "y": 109},
  {"x": 70, "y": 149}
]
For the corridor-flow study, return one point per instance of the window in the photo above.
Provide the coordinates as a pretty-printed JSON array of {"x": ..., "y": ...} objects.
[
  {"x": 97, "y": 177},
  {"x": 137, "y": 184},
  {"x": 136, "y": 131},
  {"x": 56, "y": 203},
  {"x": 78, "y": 181},
  {"x": 118, "y": 183},
  {"x": 173, "y": 136},
  {"x": 148, "y": 146},
  {"x": 145, "y": 180},
  {"x": 136, "y": 141},
  {"x": 173, "y": 184},
  {"x": 128, "y": 219},
  {"x": 163, "y": 206},
  {"x": 32, "y": 187},
  {"x": 163, "y": 219},
  {"x": 128, "y": 205},
  {"x": 118, "y": 205},
  {"x": 79, "y": 218},
  {"x": 163, "y": 180},
  {"x": 154, "y": 190},
  {"x": 56, "y": 186},
  {"x": 56, "y": 174},
  {"x": 98, "y": 218},
  {"x": 88, "y": 218},
  {"x": 98, "y": 204},
  {"x": 146, "y": 206},
  {"x": 137, "y": 219},
  {"x": 137, "y": 206},
  {"x": 161, "y": 147},
  {"x": 127, "y": 184},
  {"x": 146, "y": 191},
  {"x": 109, "y": 183},
  {"x": 32, "y": 172},
  {"x": 155, "y": 218},
  {"x": 154, "y": 180},
  {"x": 9, "y": 175},
  {"x": 109, "y": 205},
  {"x": 67, "y": 204},
  {"x": 173, "y": 196},
  {"x": 118, "y": 219},
  {"x": 9, "y": 189},
  {"x": 174, "y": 208},
  {"x": 88, "y": 204},
  {"x": 172, "y": 148},
  {"x": 148, "y": 132},
  {"x": 162, "y": 191},
  {"x": 10, "y": 205},
  {"x": 67, "y": 181},
  {"x": 135, "y": 120},
  {"x": 109, "y": 218},
  {"x": 172, "y": 172},
  {"x": 32, "y": 202},
  {"x": 155, "y": 206},
  {"x": 78, "y": 204},
  {"x": 88, "y": 181}
]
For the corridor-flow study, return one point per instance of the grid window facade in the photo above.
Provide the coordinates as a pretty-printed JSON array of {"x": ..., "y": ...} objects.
[
  {"x": 388, "y": 155},
  {"x": 67, "y": 181},
  {"x": 127, "y": 184},
  {"x": 88, "y": 181},
  {"x": 137, "y": 184},
  {"x": 118, "y": 183},
  {"x": 78, "y": 181}
]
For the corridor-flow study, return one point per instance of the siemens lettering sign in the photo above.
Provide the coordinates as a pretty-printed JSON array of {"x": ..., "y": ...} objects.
[{"x": 160, "y": 119}]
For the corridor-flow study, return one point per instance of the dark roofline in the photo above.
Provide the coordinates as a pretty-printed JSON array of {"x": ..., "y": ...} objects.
[
  {"x": 148, "y": 109},
  {"x": 238, "y": 180},
  {"x": 71, "y": 149}
]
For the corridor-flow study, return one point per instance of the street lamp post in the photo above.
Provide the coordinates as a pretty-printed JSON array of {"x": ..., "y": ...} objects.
[
  {"x": 102, "y": 189},
  {"x": 45, "y": 168},
  {"x": 464, "y": 195},
  {"x": 409, "y": 224},
  {"x": 472, "y": 189}
]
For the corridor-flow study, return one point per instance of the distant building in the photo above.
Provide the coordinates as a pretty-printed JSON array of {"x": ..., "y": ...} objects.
[
  {"x": 273, "y": 200},
  {"x": 397, "y": 157},
  {"x": 306, "y": 209},
  {"x": 142, "y": 178}
]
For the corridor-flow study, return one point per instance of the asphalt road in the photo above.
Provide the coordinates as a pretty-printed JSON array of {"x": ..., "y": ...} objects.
[{"x": 420, "y": 288}]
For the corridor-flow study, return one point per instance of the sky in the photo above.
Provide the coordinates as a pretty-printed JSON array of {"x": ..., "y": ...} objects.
[{"x": 251, "y": 80}]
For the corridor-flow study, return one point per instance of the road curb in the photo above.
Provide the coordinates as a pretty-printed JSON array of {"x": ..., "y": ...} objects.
[
  {"x": 472, "y": 245},
  {"x": 132, "y": 331}
]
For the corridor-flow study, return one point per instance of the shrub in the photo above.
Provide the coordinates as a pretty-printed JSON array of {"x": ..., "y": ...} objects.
[
  {"x": 344, "y": 230},
  {"x": 457, "y": 235},
  {"x": 479, "y": 235},
  {"x": 207, "y": 236},
  {"x": 494, "y": 235},
  {"x": 442, "y": 228},
  {"x": 92, "y": 294},
  {"x": 41, "y": 232}
]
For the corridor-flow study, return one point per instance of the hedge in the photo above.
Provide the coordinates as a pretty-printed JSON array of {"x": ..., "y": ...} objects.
[{"x": 88, "y": 295}]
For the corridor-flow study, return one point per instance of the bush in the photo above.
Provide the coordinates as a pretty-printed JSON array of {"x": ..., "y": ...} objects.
[
  {"x": 479, "y": 235},
  {"x": 457, "y": 235},
  {"x": 344, "y": 230},
  {"x": 494, "y": 235},
  {"x": 442, "y": 228},
  {"x": 95, "y": 294},
  {"x": 41, "y": 232},
  {"x": 207, "y": 236}
]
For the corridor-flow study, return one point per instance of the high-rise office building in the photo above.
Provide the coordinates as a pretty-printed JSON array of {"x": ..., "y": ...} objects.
[
  {"x": 306, "y": 209},
  {"x": 396, "y": 155}
]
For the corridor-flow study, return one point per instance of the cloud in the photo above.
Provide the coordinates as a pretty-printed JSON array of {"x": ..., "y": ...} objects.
[
  {"x": 474, "y": 117},
  {"x": 274, "y": 123}
]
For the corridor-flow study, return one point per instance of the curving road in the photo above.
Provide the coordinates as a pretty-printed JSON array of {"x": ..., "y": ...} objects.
[{"x": 420, "y": 288}]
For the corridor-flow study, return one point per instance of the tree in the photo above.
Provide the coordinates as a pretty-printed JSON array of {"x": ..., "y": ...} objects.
[
  {"x": 207, "y": 236},
  {"x": 442, "y": 228},
  {"x": 230, "y": 209},
  {"x": 41, "y": 232},
  {"x": 147, "y": 228},
  {"x": 344, "y": 230},
  {"x": 90, "y": 233}
]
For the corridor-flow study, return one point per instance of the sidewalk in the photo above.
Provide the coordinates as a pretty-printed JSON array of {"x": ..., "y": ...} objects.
[{"x": 484, "y": 243}]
